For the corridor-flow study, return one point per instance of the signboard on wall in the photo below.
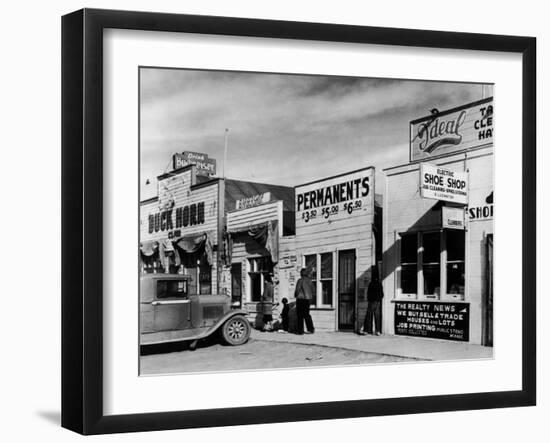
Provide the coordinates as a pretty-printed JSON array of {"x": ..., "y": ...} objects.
[
  {"x": 452, "y": 131},
  {"x": 481, "y": 206},
  {"x": 449, "y": 321},
  {"x": 205, "y": 165},
  {"x": 179, "y": 209},
  {"x": 255, "y": 200},
  {"x": 452, "y": 218},
  {"x": 336, "y": 198},
  {"x": 444, "y": 184}
]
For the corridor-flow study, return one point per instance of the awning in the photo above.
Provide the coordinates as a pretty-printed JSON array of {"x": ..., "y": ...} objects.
[
  {"x": 149, "y": 248},
  {"x": 191, "y": 248},
  {"x": 168, "y": 252},
  {"x": 265, "y": 234}
]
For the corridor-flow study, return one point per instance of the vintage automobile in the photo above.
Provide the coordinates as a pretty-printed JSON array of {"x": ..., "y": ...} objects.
[{"x": 169, "y": 314}]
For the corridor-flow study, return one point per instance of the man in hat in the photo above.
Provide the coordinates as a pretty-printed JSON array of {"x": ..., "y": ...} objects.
[
  {"x": 375, "y": 293},
  {"x": 304, "y": 295}
]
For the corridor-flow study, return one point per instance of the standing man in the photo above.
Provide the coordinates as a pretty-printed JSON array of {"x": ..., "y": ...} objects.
[
  {"x": 304, "y": 295},
  {"x": 375, "y": 293},
  {"x": 267, "y": 302}
]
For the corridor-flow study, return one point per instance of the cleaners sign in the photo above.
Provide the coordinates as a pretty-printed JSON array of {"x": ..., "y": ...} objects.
[
  {"x": 452, "y": 131},
  {"x": 444, "y": 184},
  {"x": 452, "y": 218}
]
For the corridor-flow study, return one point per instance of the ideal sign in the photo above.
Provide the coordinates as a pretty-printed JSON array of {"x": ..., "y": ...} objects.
[
  {"x": 452, "y": 131},
  {"x": 444, "y": 184},
  {"x": 204, "y": 165}
]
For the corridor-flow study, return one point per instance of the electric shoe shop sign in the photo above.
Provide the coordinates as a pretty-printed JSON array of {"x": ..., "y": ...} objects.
[{"x": 443, "y": 184}]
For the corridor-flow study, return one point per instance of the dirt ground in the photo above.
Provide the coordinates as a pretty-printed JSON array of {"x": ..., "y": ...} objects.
[{"x": 256, "y": 354}]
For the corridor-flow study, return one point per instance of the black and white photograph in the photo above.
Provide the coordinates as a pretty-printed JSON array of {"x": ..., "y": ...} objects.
[{"x": 298, "y": 221}]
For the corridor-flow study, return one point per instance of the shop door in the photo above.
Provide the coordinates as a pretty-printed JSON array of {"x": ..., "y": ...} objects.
[
  {"x": 236, "y": 284},
  {"x": 346, "y": 289},
  {"x": 488, "y": 323}
]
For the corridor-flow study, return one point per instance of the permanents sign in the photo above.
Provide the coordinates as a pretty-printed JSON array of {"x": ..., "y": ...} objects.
[
  {"x": 443, "y": 184},
  {"x": 333, "y": 199},
  {"x": 451, "y": 131},
  {"x": 449, "y": 321}
]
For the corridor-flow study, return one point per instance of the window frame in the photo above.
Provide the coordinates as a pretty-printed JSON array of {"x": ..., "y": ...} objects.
[
  {"x": 254, "y": 268},
  {"x": 318, "y": 280},
  {"x": 443, "y": 263}
]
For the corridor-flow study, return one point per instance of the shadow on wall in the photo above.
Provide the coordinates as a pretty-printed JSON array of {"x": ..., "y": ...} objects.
[
  {"x": 430, "y": 219},
  {"x": 390, "y": 258}
]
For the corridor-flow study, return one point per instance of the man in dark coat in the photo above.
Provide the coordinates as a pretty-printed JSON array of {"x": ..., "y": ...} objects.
[
  {"x": 375, "y": 293},
  {"x": 304, "y": 295}
]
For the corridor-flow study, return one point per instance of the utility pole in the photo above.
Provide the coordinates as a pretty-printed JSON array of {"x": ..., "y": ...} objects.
[{"x": 225, "y": 152}]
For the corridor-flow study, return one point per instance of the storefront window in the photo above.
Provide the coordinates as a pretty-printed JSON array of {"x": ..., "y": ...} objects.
[
  {"x": 320, "y": 269},
  {"x": 430, "y": 264},
  {"x": 311, "y": 268},
  {"x": 326, "y": 279},
  {"x": 436, "y": 252},
  {"x": 258, "y": 267},
  {"x": 455, "y": 263},
  {"x": 409, "y": 254}
]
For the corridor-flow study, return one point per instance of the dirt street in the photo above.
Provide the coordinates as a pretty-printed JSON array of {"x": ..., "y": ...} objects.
[{"x": 255, "y": 354}]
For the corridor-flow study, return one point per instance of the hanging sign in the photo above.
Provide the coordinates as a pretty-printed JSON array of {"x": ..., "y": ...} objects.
[
  {"x": 452, "y": 218},
  {"x": 452, "y": 131},
  {"x": 444, "y": 184}
]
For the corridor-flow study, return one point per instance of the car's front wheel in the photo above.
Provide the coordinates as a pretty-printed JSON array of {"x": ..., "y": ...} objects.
[{"x": 236, "y": 330}]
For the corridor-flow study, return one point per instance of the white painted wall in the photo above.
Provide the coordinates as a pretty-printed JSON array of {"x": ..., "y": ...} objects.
[{"x": 406, "y": 210}]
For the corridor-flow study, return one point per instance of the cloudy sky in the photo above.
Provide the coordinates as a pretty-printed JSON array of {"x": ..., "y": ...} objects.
[{"x": 283, "y": 129}]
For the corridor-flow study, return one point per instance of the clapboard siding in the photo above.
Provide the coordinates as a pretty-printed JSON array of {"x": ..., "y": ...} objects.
[
  {"x": 179, "y": 187},
  {"x": 406, "y": 211},
  {"x": 238, "y": 220},
  {"x": 340, "y": 231}
]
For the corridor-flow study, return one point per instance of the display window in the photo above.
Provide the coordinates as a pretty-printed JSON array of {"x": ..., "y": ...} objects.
[
  {"x": 258, "y": 268},
  {"x": 320, "y": 268},
  {"x": 432, "y": 265}
]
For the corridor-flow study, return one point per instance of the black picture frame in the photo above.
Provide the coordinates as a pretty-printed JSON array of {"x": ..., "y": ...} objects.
[{"x": 82, "y": 219}]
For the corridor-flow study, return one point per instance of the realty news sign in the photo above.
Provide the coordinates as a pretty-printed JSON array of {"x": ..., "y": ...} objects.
[
  {"x": 455, "y": 130},
  {"x": 448, "y": 321},
  {"x": 444, "y": 184}
]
